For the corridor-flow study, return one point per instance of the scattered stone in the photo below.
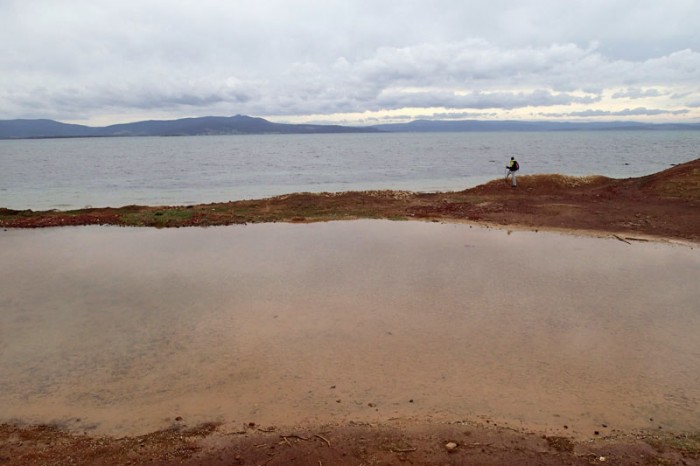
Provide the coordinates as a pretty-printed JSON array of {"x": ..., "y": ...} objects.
[
  {"x": 451, "y": 447},
  {"x": 178, "y": 419}
]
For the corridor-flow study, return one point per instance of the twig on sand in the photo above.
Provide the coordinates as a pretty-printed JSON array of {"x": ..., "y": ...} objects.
[
  {"x": 295, "y": 436},
  {"x": 632, "y": 238},
  {"x": 403, "y": 450},
  {"x": 475, "y": 445},
  {"x": 324, "y": 439},
  {"x": 622, "y": 239}
]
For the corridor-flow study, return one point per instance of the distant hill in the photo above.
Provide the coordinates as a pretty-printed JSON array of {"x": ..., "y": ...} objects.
[
  {"x": 241, "y": 124},
  {"x": 22, "y": 129}
]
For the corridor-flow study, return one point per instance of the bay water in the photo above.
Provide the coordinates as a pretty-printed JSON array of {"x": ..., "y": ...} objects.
[{"x": 67, "y": 174}]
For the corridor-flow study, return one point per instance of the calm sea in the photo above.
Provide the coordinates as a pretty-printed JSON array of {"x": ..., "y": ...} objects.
[{"x": 75, "y": 173}]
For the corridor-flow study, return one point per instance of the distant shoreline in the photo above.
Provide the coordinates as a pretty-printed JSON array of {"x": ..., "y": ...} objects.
[{"x": 242, "y": 124}]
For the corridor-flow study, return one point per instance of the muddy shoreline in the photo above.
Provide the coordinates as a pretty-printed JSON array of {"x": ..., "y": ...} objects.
[
  {"x": 662, "y": 205},
  {"x": 395, "y": 442}
]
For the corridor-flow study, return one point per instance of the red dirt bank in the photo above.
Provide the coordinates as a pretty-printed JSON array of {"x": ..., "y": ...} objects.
[{"x": 664, "y": 204}]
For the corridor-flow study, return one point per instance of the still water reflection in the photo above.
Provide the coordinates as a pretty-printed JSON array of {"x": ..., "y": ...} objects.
[{"x": 122, "y": 330}]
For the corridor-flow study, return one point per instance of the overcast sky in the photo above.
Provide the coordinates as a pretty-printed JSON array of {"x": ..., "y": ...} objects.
[{"x": 99, "y": 62}]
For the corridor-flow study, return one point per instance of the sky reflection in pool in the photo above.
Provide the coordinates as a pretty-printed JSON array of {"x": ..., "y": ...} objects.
[{"x": 121, "y": 330}]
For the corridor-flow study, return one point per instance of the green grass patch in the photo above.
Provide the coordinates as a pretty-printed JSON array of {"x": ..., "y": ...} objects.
[
  {"x": 687, "y": 443},
  {"x": 157, "y": 218}
]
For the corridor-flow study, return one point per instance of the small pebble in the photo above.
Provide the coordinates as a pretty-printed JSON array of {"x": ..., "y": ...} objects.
[{"x": 451, "y": 446}]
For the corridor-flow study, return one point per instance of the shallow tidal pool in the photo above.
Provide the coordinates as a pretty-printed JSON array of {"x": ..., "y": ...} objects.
[{"x": 123, "y": 330}]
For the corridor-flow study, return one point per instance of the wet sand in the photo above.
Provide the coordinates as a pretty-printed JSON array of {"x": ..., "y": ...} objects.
[{"x": 120, "y": 331}]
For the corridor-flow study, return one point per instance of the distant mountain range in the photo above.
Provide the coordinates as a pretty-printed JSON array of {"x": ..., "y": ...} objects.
[{"x": 241, "y": 124}]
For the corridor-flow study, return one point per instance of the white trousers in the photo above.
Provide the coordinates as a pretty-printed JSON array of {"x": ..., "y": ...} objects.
[{"x": 513, "y": 181}]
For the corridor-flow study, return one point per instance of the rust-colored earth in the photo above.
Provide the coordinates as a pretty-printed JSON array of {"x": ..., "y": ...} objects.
[
  {"x": 663, "y": 205},
  {"x": 353, "y": 444}
]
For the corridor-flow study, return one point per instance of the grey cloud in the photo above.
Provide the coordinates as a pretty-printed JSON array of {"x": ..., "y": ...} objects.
[
  {"x": 636, "y": 93},
  {"x": 456, "y": 115},
  {"x": 680, "y": 95},
  {"x": 83, "y": 58},
  {"x": 79, "y": 102},
  {"x": 639, "y": 111},
  {"x": 473, "y": 62},
  {"x": 480, "y": 100},
  {"x": 647, "y": 111}
]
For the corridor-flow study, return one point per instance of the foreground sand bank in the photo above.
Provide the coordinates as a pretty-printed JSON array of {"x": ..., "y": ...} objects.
[{"x": 347, "y": 330}]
